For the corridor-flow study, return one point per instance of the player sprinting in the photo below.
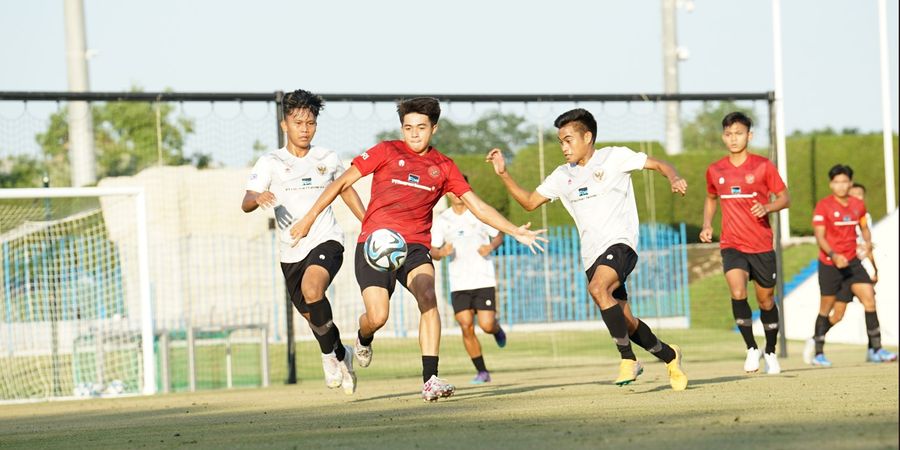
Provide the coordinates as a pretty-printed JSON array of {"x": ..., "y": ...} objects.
[
  {"x": 408, "y": 178},
  {"x": 744, "y": 183},
  {"x": 841, "y": 274},
  {"x": 595, "y": 188},
  {"x": 467, "y": 243},
  {"x": 290, "y": 180}
]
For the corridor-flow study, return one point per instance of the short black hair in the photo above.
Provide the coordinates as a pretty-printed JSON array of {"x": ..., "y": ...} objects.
[
  {"x": 301, "y": 99},
  {"x": 428, "y": 106},
  {"x": 859, "y": 185},
  {"x": 736, "y": 117},
  {"x": 840, "y": 169},
  {"x": 582, "y": 117}
]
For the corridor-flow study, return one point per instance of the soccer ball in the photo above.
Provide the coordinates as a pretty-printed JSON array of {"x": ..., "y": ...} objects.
[{"x": 385, "y": 250}]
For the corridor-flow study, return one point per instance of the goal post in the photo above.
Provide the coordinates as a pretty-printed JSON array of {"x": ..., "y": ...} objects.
[{"x": 52, "y": 218}]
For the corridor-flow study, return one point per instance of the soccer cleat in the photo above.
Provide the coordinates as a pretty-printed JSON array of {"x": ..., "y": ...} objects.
[
  {"x": 500, "y": 337},
  {"x": 772, "y": 365},
  {"x": 751, "y": 364},
  {"x": 332, "y": 368},
  {"x": 809, "y": 351},
  {"x": 348, "y": 376},
  {"x": 879, "y": 356},
  {"x": 481, "y": 378},
  {"x": 821, "y": 361},
  {"x": 436, "y": 388},
  {"x": 363, "y": 354},
  {"x": 629, "y": 370},
  {"x": 677, "y": 378}
]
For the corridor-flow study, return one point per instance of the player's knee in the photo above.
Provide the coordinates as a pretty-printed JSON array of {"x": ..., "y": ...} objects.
[
  {"x": 487, "y": 327},
  {"x": 377, "y": 319},
  {"x": 311, "y": 294},
  {"x": 468, "y": 330},
  {"x": 738, "y": 293},
  {"x": 765, "y": 303},
  {"x": 598, "y": 290},
  {"x": 836, "y": 317},
  {"x": 426, "y": 299}
]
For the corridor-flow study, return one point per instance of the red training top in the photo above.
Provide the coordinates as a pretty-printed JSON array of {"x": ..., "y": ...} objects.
[
  {"x": 737, "y": 188},
  {"x": 405, "y": 188},
  {"x": 840, "y": 225}
]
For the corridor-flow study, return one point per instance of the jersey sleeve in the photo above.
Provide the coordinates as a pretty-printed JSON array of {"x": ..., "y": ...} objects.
[
  {"x": 371, "y": 159},
  {"x": 456, "y": 183},
  {"x": 260, "y": 176},
  {"x": 710, "y": 182},
  {"x": 819, "y": 215},
  {"x": 338, "y": 167},
  {"x": 437, "y": 232},
  {"x": 773, "y": 179},
  {"x": 630, "y": 160},
  {"x": 550, "y": 187}
]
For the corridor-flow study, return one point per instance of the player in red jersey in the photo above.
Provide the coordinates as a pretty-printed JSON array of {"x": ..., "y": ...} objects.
[
  {"x": 841, "y": 274},
  {"x": 744, "y": 183},
  {"x": 408, "y": 179}
]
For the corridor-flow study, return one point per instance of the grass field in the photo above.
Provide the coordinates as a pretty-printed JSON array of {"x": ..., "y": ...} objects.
[{"x": 536, "y": 401}]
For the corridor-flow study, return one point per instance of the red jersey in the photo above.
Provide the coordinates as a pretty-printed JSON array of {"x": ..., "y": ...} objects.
[
  {"x": 840, "y": 225},
  {"x": 405, "y": 188},
  {"x": 737, "y": 189}
]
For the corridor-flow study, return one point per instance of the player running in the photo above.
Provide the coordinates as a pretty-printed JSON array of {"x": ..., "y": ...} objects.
[
  {"x": 467, "y": 242},
  {"x": 290, "y": 180},
  {"x": 408, "y": 178},
  {"x": 595, "y": 188},
  {"x": 744, "y": 183},
  {"x": 841, "y": 274}
]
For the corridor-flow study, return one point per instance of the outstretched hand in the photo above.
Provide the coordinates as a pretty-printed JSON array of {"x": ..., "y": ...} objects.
[
  {"x": 495, "y": 157},
  {"x": 530, "y": 238},
  {"x": 679, "y": 185}
]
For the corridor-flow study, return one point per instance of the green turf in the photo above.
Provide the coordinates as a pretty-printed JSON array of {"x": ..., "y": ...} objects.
[{"x": 571, "y": 405}]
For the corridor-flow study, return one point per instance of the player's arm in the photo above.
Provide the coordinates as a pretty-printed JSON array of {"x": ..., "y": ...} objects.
[
  {"x": 529, "y": 200},
  {"x": 342, "y": 183},
  {"x": 838, "y": 259},
  {"x": 709, "y": 211},
  {"x": 352, "y": 200},
  {"x": 866, "y": 234},
  {"x": 486, "y": 249},
  {"x": 487, "y": 214},
  {"x": 253, "y": 200},
  {"x": 439, "y": 253},
  {"x": 782, "y": 201},
  {"x": 678, "y": 184}
]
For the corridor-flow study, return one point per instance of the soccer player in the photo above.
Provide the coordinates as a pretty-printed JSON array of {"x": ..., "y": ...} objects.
[
  {"x": 289, "y": 180},
  {"x": 841, "y": 274},
  {"x": 744, "y": 183},
  {"x": 467, "y": 242},
  {"x": 595, "y": 188},
  {"x": 408, "y": 178},
  {"x": 863, "y": 250}
]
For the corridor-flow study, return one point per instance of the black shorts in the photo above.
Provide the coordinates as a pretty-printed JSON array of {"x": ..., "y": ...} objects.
[
  {"x": 760, "y": 266},
  {"x": 837, "y": 282},
  {"x": 329, "y": 254},
  {"x": 481, "y": 299},
  {"x": 366, "y": 276},
  {"x": 620, "y": 258}
]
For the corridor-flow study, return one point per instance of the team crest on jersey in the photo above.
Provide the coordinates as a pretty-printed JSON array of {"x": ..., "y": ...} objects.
[
  {"x": 412, "y": 178},
  {"x": 847, "y": 218},
  {"x": 749, "y": 178},
  {"x": 434, "y": 172},
  {"x": 252, "y": 176},
  {"x": 321, "y": 169},
  {"x": 598, "y": 175},
  {"x": 735, "y": 189},
  {"x": 721, "y": 180},
  {"x": 582, "y": 191},
  {"x": 306, "y": 181},
  {"x": 401, "y": 163}
]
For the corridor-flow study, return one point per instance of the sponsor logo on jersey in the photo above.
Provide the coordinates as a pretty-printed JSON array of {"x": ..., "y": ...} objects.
[
  {"x": 433, "y": 172},
  {"x": 818, "y": 218},
  {"x": 582, "y": 191},
  {"x": 721, "y": 180},
  {"x": 252, "y": 176},
  {"x": 412, "y": 178},
  {"x": 847, "y": 218},
  {"x": 401, "y": 163},
  {"x": 306, "y": 181},
  {"x": 321, "y": 169},
  {"x": 460, "y": 233},
  {"x": 570, "y": 181},
  {"x": 749, "y": 178},
  {"x": 735, "y": 189},
  {"x": 598, "y": 175}
]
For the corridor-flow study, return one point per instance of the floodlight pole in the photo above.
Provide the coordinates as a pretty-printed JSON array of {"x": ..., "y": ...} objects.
[
  {"x": 784, "y": 222},
  {"x": 779, "y": 261},
  {"x": 81, "y": 128},
  {"x": 887, "y": 134}
]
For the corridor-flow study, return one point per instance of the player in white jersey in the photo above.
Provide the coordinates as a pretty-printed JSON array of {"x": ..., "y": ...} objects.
[
  {"x": 863, "y": 250},
  {"x": 289, "y": 180},
  {"x": 467, "y": 243},
  {"x": 595, "y": 188}
]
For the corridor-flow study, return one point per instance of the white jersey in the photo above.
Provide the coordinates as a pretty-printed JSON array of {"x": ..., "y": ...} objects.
[
  {"x": 468, "y": 269},
  {"x": 297, "y": 184},
  {"x": 600, "y": 197}
]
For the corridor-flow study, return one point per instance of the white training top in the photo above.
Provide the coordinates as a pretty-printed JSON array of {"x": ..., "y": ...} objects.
[
  {"x": 297, "y": 184},
  {"x": 600, "y": 197},
  {"x": 468, "y": 269}
]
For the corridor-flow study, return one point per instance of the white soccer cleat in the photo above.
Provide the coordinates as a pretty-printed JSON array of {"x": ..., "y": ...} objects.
[
  {"x": 332, "y": 368},
  {"x": 772, "y": 365},
  {"x": 436, "y": 388},
  {"x": 363, "y": 354},
  {"x": 348, "y": 376},
  {"x": 809, "y": 351},
  {"x": 751, "y": 364}
]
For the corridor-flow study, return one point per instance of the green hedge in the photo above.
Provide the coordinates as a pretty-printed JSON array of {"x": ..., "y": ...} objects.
[{"x": 808, "y": 162}]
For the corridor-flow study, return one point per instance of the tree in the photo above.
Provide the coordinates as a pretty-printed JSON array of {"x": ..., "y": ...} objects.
[
  {"x": 19, "y": 171},
  {"x": 125, "y": 140},
  {"x": 704, "y": 131},
  {"x": 494, "y": 129}
]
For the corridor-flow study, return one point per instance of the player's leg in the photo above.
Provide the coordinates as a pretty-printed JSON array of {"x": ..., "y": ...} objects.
[
  {"x": 831, "y": 282},
  {"x": 376, "y": 288},
  {"x": 763, "y": 273},
  {"x": 865, "y": 292},
  {"x": 484, "y": 302},
  {"x": 737, "y": 273},
  {"x": 642, "y": 335},
  {"x": 466, "y": 319}
]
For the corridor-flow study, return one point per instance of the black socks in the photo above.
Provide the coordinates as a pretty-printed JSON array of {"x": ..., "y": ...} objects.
[
  {"x": 429, "y": 367},
  {"x": 769, "y": 321},
  {"x": 645, "y": 338},
  {"x": 479, "y": 364},
  {"x": 614, "y": 318},
  {"x": 324, "y": 329},
  {"x": 873, "y": 330},
  {"x": 743, "y": 317}
]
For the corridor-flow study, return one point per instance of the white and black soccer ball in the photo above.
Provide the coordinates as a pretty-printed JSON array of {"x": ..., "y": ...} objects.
[{"x": 385, "y": 250}]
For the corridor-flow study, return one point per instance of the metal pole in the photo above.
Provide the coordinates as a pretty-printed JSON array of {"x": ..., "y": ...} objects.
[
  {"x": 288, "y": 305},
  {"x": 670, "y": 77},
  {"x": 264, "y": 354},
  {"x": 81, "y": 128},
  {"x": 779, "y": 264},
  {"x": 784, "y": 222},
  {"x": 164, "y": 360},
  {"x": 887, "y": 134}
]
